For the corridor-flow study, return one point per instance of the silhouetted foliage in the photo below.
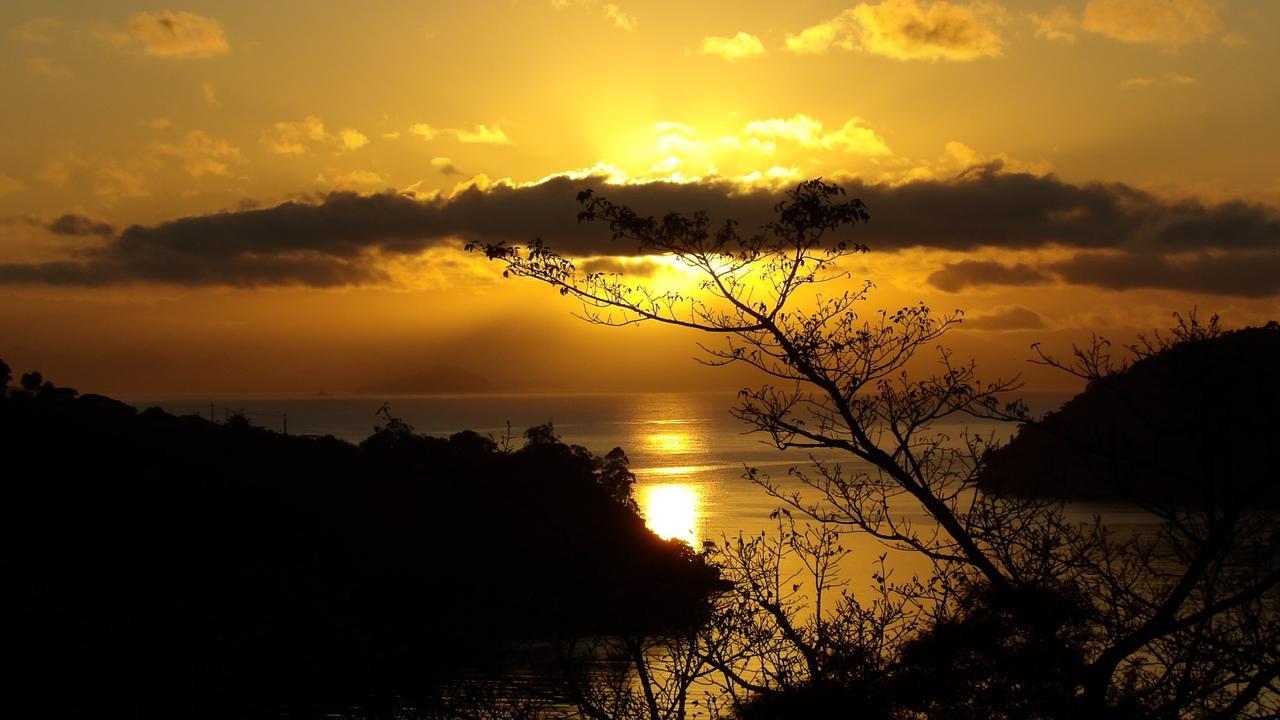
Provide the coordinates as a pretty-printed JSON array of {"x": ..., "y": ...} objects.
[
  {"x": 161, "y": 566},
  {"x": 1026, "y": 614},
  {"x": 1182, "y": 424},
  {"x": 32, "y": 381}
]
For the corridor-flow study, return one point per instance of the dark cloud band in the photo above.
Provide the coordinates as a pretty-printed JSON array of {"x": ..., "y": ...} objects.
[{"x": 342, "y": 239}]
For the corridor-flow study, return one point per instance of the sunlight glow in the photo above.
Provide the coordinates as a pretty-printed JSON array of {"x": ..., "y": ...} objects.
[
  {"x": 670, "y": 443},
  {"x": 673, "y": 511}
]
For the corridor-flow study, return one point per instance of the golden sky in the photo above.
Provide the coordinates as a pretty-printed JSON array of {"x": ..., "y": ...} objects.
[{"x": 242, "y": 197}]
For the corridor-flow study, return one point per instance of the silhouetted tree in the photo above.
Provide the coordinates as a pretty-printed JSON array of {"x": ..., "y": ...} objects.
[
  {"x": 6, "y": 376},
  {"x": 32, "y": 381},
  {"x": 839, "y": 381}
]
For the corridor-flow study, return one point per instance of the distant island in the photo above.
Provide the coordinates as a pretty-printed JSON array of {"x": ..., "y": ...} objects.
[{"x": 162, "y": 566}]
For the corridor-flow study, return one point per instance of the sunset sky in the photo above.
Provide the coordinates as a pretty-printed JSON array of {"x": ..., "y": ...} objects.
[{"x": 251, "y": 197}]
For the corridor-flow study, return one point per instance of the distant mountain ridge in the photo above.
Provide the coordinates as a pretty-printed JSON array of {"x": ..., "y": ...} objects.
[{"x": 1195, "y": 424}]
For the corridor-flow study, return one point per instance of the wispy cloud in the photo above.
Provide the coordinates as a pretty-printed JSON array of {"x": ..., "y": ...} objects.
[
  {"x": 37, "y": 31},
  {"x": 1171, "y": 79},
  {"x": 9, "y": 185},
  {"x": 480, "y": 134},
  {"x": 1059, "y": 25},
  {"x": 47, "y": 68},
  {"x": 620, "y": 19},
  {"x": 1161, "y": 22},
  {"x": 114, "y": 180},
  {"x": 200, "y": 153}
]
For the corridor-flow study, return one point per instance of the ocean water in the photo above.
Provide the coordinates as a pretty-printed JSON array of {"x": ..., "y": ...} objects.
[{"x": 687, "y": 451}]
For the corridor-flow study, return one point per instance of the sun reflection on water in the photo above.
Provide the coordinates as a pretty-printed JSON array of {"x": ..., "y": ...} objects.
[
  {"x": 671, "y": 443},
  {"x": 673, "y": 510}
]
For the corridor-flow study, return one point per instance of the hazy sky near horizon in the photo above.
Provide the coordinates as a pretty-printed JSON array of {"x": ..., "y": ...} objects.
[{"x": 243, "y": 197}]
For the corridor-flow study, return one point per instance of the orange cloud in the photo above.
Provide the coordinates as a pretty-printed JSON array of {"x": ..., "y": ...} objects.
[
  {"x": 201, "y": 154},
  {"x": 1162, "y": 22},
  {"x": 1172, "y": 79},
  {"x": 37, "y": 31},
  {"x": 45, "y": 67},
  {"x": 906, "y": 30},
  {"x": 852, "y": 137},
  {"x": 1059, "y": 25},
  {"x": 296, "y": 138},
  {"x": 9, "y": 185},
  {"x": 480, "y": 134},
  {"x": 178, "y": 35}
]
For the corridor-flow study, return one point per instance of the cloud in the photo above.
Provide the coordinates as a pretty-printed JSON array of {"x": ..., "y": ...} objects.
[
  {"x": 1004, "y": 319},
  {"x": 1059, "y": 25},
  {"x": 424, "y": 131},
  {"x": 355, "y": 179},
  {"x": 958, "y": 159},
  {"x": 1171, "y": 79},
  {"x": 57, "y": 171},
  {"x": 907, "y": 30},
  {"x": 480, "y": 134},
  {"x": 633, "y": 266},
  {"x": 852, "y": 137},
  {"x": 178, "y": 35},
  {"x": 621, "y": 20},
  {"x": 957, "y": 276},
  {"x": 210, "y": 93},
  {"x": 483, "y": 134},
  {"x": 297, "y": 137},
  {"x": 200, "y": 153},
  {"x": 742, "y": 45},
  {"x": 291, "y": 138},
  {"x": 445, "y": 166},
  {"x": 79, "y": 226},
  {"x": 37, "y": 31},
  {"x": 114, "y": 180},
  {"x": 1161, "y": 22},
  {"x": 47, "y": 68},
  {"x": 9, "y": 185},
  {"x": 1246, "y": 274},
  {"x": 352, "y": 139},
  {"x": 346, "y": 237}
]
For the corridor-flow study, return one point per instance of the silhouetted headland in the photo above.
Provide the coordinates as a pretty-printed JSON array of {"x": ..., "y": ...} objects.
[
  {"x": 1185, "y": 425},
  {"x": 162, "y": 566}
]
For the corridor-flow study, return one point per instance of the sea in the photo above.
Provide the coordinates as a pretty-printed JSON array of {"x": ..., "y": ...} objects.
[{"x": 689, "y": 454}]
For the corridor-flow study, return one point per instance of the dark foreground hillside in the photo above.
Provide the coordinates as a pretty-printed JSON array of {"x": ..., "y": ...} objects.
[
  {"x": 1192, "y": 424},
  {"x": 161, "y": 566}
]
